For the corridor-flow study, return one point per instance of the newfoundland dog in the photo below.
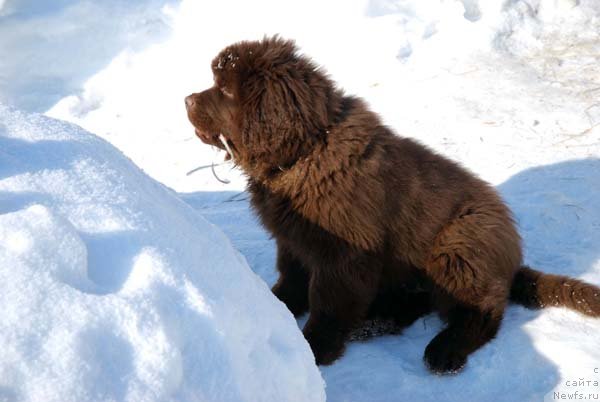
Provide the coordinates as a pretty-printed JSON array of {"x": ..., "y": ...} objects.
[{"x": 367, "y": 223}]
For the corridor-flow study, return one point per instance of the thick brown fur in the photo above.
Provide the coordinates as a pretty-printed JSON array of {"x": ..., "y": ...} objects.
[{"x": 367, "y": 223}]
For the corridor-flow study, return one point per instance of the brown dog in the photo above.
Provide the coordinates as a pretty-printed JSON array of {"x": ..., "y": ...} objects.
[{"x": 367, "y": 223}]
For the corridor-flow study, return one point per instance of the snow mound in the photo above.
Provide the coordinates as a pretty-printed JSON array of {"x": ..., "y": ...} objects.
[{"x": 112, "y": 289}]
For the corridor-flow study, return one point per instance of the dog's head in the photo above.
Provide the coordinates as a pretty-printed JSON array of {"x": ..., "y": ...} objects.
[{"x": 271, "y": 104}]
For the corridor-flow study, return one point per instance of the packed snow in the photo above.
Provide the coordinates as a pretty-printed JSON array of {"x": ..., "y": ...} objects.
[
  {"x": 511, "y": 89},
  {"x": 112, "y": 289}
]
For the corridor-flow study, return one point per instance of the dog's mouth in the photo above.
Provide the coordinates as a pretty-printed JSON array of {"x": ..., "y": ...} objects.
[{"x": 217, "y": 140}]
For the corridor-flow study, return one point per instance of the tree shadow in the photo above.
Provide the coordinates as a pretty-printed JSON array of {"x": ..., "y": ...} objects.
[{"x": 556, "y": 209}]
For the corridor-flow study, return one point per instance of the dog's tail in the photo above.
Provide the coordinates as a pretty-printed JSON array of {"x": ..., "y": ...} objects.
[{"x": 535, "y": 289}]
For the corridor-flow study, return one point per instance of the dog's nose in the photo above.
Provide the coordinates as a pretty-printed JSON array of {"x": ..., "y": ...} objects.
[{"x": 189, "y": 101}]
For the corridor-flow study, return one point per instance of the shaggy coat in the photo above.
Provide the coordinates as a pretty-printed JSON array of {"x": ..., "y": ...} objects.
[{"x": 367, "y": 223}]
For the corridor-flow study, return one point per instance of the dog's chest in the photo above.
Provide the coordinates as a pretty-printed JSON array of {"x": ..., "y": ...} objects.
[
  {"x": 306, "y": 239},
  {"x": 306, "y": 200}
]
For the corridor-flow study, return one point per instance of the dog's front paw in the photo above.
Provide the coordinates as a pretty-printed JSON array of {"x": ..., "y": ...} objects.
[
  {"x": 327, "y": 345},
  {"x": 442, "y": 358},
  {"x": 325, "y": 352},
  {"x": 294, "y": 299}
]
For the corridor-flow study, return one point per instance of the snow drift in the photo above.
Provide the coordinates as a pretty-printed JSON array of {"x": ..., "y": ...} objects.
[{"x": 112, "y": 289}]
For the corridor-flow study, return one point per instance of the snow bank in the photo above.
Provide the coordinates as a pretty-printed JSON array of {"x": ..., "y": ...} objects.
[{"x": 112, "y": 289}]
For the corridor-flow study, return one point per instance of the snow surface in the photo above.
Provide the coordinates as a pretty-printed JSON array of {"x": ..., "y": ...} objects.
[
  {"x": 54, "y": 46},
  {"x": 535, "y": 352},
  {"x": 471, "y": 84},
  {"x": 510, "y": 88},
  {"x": 112, "y": 289}
]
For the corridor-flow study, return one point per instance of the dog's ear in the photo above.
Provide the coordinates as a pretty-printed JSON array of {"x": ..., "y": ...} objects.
[{"x": 283, "y": 114}]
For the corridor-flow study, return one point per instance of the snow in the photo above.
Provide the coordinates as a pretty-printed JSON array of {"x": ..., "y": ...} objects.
[
  {"x": 511, "y": 89},
  {"x": 535, "y": 352},
  {"x": 41, "y": 36},
  {"x": 113, "y": 289}
]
